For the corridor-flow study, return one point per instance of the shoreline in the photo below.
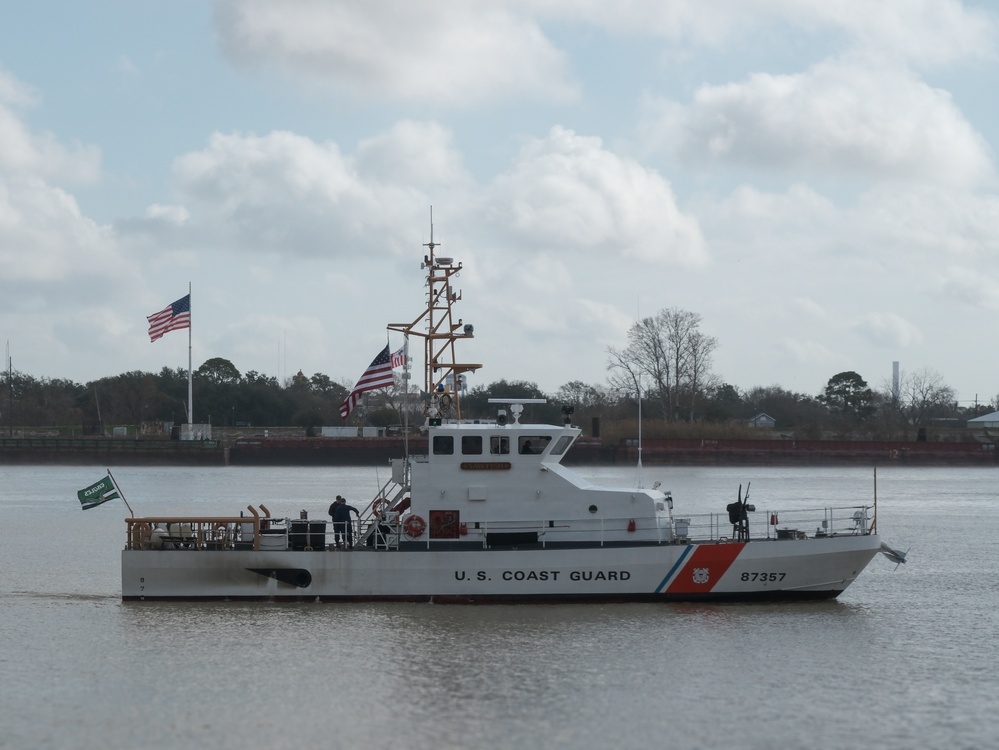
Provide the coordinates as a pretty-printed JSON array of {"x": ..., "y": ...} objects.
[{"x": 300, "y": 451}]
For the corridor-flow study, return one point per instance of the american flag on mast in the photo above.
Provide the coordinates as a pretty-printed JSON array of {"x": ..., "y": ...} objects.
[
  {"x": 378, "y": 375},
  {"x": 173, "y": 317}
]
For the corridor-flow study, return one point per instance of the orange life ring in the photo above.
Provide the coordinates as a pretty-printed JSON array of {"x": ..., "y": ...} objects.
[
  {"x": 414, "y": 526},
  {"x": 379, "y": 506}
]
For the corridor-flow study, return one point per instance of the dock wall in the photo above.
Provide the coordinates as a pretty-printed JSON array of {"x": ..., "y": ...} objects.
[{"x": 329, "y": 451}]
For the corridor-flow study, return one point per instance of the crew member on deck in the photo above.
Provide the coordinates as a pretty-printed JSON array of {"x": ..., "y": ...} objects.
[{"x": 343, "y": 528}]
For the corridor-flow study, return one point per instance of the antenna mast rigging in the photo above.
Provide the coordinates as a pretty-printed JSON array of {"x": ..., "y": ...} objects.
[{"x": 440, "y": 330}]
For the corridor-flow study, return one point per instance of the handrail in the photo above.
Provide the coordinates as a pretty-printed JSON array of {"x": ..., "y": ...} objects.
[
  {"x": 204, "y": 529},
  {"x": 223, "y": 532}
]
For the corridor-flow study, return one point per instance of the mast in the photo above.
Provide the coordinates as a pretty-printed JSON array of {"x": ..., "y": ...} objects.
[
  {"x": 440, "y": 330},
  {"x": 639, "y": 470}
]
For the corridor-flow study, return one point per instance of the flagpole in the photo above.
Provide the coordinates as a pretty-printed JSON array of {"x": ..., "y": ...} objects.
[
  {"x": 121, "y": 494},
  {"x": 405, "y": 397},
  {"x": 190, "y": 371}
]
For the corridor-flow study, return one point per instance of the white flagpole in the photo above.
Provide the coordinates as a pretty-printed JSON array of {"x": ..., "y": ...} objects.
[{"x": 190, "y": 371}]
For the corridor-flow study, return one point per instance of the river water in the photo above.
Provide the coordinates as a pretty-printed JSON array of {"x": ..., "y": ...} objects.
[{"x": 904, "y": 658}]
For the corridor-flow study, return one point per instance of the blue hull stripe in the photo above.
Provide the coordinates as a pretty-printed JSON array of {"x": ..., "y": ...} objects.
[{"x": 674, "y": 569}]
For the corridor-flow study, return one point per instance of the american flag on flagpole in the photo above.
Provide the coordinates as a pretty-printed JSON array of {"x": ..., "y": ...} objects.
[
  {"x": 378, "y": 375},
  {"x": 171, "y": 318}
]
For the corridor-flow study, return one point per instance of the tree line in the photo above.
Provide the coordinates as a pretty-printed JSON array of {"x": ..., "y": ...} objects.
[{"x": 666, "y": 363}]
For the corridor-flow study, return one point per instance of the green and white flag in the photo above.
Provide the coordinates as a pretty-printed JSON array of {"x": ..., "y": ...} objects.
[{"x": 101, "y": 492}]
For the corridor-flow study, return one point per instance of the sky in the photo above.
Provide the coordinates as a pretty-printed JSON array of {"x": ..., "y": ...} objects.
[{"x": 815, "y": 178}]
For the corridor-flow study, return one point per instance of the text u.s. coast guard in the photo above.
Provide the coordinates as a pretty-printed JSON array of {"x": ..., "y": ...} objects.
[{"x": 544, "y": 575}]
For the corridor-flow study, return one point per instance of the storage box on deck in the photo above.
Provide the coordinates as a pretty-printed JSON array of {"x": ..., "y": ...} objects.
[
  {"x": 273, "y": 539},
  {"x": 317, "y": 535},
  {"x": 307, "y": 535}
]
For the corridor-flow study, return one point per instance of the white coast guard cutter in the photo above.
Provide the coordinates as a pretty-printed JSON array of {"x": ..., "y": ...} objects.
[{"x": 491, "y": 514}]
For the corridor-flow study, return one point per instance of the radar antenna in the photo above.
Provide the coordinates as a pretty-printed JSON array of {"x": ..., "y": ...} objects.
[{"x": 440, "y": 329}]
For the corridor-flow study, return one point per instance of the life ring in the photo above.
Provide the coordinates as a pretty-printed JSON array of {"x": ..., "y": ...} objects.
[
  {"x": 379, "y": 506},
  {"x": 414, "y": 526}
]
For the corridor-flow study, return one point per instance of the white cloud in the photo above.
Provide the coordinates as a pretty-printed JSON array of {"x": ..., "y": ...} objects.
[
  {"x": 16, "y": 93},
  {"x": 58, "y": 267},
  {"x": 923, "y": 32},
  {"x": 417, "y": 153},
  {"x": 884, "y": 230},
  {"x": 607, "y": 322},
  {"x": 569, "y": 192},
  {"x": 750, "y": 210},
  {"x": 456, "y": 53},
  {"x": 971, "y": 287},
  {"x": 930, "y": 220},
  {"x": 286, "y": 193},
  {"x": 43, "y": 236},
  {"x": 803, "y": 351},
  {"x": 421, "y": 49},
  {"x": 841, "y": 116},
  {"x": 888, "y": 330},
  {"x": 808, "y": 307},
  {"x": 171, "y": 214},
  {"x": 31, "y": 154}
]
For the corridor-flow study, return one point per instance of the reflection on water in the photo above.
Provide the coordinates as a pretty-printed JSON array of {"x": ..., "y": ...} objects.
[{"x": 903, "y": 658}]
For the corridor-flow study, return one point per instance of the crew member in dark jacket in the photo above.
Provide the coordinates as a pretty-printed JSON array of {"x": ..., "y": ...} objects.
[{"x": 343, "y": 529}]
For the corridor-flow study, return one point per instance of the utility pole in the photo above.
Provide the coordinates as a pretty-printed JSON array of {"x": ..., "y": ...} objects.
[{"x": 10, "y": 393}]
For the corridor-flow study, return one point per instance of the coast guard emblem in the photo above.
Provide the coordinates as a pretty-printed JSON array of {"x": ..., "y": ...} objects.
[{"x": 701, "y": 575}]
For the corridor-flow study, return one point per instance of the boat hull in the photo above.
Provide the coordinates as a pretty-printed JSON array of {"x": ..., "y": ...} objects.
[{"x": 725, "y": 571}]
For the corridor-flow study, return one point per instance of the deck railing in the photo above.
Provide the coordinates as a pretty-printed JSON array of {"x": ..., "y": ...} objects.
[
  {"x": 194, "y": 532},
  {"x": 387, "y": 531}
]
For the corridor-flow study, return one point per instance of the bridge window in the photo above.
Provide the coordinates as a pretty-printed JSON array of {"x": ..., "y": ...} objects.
[
  {"x": 562, "y": 445},
  {"x": 443, "y": 445},
  {"x": 534, "y": 444},
  {"x": 499, "y": 444},
  {"x": 471, "y": 445}
]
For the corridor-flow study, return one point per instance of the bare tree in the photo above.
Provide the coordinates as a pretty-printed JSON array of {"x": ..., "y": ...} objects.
[
  {"x": 700, "y": 378},
  {"x": 583, "y": 395},
  {"x": 922, "y": 395},
  {"x": 669, "y": 357}
]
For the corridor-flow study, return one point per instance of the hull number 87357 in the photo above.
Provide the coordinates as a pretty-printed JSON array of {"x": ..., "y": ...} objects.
[{"x": 763, "y": 576}]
